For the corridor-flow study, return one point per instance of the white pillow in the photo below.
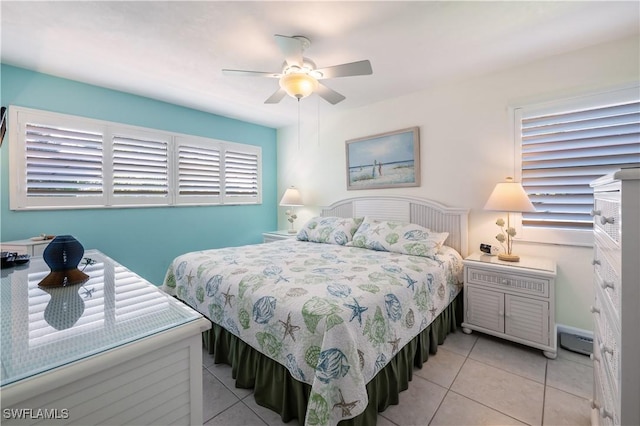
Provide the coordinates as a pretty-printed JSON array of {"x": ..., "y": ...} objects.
[
  {"x": 330, "y": 230},
  {"x": 399, "y": 237}
]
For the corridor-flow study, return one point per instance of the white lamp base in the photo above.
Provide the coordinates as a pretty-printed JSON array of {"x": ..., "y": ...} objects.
[
  {"x": 509, "y": 257},
  {"x": 293, "y": 231}
]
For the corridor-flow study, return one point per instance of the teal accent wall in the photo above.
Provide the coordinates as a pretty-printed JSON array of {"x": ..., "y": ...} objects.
[{"x": 145, "y": 240}]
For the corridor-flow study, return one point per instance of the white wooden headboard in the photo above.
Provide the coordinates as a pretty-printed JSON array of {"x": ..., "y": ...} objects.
[{"x": 423, "y": 212}]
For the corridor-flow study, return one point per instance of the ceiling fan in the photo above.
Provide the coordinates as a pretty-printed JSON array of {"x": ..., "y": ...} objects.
[{"x": 299, "y": 76}]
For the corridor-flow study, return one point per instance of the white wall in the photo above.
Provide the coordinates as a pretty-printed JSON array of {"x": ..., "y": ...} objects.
[{"x": 466, "y": 148}]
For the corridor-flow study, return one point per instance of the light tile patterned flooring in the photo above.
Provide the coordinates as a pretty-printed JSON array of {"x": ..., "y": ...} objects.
[{"x": 472, "y": 380}]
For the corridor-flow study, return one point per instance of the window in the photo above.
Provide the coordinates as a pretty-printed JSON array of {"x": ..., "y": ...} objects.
[
  {"x": 60, "y": 161},
  {"x": 563, "y": 147}
]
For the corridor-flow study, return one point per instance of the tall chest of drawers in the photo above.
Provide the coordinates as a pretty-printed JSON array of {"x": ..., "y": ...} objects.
[{"x": 616, "y": 308}]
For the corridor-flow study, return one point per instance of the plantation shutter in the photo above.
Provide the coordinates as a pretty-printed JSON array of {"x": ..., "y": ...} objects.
[
  {"x": 241, "y": 175},
  {"x": 198, "y": 173},
  {"x": 563, "y": 151},
  {"x": 140, "y": 167},
  {"x": 62, "y": 161}
]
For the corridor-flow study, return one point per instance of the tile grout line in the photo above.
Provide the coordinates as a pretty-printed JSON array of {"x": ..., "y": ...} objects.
[
  {"x": 544, "y": 391},
  {"x": 435, "y": 413}
]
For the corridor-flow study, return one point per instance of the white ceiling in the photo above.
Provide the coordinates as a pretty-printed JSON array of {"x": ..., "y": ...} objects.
[{"x": 174, "y": 51}]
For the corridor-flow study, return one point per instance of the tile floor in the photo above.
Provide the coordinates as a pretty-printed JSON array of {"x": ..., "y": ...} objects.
[{"x": 472, "y": 380}]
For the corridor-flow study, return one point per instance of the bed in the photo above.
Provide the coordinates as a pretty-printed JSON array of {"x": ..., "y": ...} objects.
[{"x": 329, "y": 329}]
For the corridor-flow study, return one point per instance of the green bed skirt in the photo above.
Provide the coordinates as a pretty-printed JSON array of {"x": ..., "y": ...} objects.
[{"x": 275, "y": 389}]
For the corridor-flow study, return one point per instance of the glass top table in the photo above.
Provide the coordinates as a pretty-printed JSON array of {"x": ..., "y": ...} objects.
[{"x": 45, "y": 329}]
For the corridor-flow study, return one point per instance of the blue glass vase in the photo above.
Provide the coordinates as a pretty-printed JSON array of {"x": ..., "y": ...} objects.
[{"x": 62, "y": 256}]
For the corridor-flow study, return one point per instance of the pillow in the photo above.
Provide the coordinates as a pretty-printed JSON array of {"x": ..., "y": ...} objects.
[
  {"x": 330, "y": 230},
  {"x": 399, "y": 237}
]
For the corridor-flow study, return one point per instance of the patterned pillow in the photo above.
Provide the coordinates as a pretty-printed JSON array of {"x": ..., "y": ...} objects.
[
  {"x": 399, "y": 237},
  {"x": 330, "y": 230}
]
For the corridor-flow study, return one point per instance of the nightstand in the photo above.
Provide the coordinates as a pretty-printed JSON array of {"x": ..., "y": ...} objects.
[
  {"x": 269, "y": 237},
  {"x": 30, "y": 247},
  {"x": 514, "y": 301}
]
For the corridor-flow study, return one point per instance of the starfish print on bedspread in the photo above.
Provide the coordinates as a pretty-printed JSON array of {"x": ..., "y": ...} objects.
[
  {"x": 228, "y": 297},
  {"x": 394, "y": 345},
  {"x": 346, "y": 407},
  {"x": 289, "y": 328},
  {"x": 410, "y": 281},
  {"x": 357, "y": 310},
  {"x": 433, "y": 312},
  {"x": 190, "y": 278}
]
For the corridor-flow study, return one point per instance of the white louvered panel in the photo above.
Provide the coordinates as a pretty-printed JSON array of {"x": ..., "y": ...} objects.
[
  {"x": 153, "y": 388},
  {"x": 485, "y": 308},
  {"x": 151, "y": 404},
  {"x": 241, "y": 171},
  {"x": 439, "y": 222},
  {"x": 140, "y": 167},
  {"x": 396, "y": 210},
  {"x": 527, "y": 319},
  {"x": 198, "y": 171},
  {"x": 81, "y": 398},
  {"x": 343, "y": 210},
  {"x": 62, "y": 162},
  {"x": 176, "y": 403}
]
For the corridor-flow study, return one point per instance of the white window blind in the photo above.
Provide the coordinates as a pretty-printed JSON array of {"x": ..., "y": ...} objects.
[
  {"x": 140, "y": 167},
  {"x": 60, "y": 161},
  {"x": 198, "y": 172},
  {"x": 241, "y": 174},
  {"x": 565, "y": 147}
]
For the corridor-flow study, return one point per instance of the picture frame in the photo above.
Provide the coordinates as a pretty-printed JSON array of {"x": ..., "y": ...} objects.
[{"x": 385, "y": 160}]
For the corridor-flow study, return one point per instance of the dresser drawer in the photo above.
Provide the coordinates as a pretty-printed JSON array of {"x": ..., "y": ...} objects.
[
  {"x": 606, "y": 214},
  {"x": 608, "y": 280},
  {"x": 519, "y": 283},
  {"x": 604, "y": 400},
  {"x": 607, "y": 333}
]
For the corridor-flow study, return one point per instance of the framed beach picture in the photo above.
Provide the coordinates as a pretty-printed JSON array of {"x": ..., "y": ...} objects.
[{"x": 387, "y": 160}]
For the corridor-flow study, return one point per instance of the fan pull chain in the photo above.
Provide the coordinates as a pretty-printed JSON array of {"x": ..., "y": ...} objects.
[{"x": 298, "y": 124}]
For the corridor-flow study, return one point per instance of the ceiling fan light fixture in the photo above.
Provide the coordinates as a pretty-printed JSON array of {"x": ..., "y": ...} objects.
[{"x": 298, "y": 85}]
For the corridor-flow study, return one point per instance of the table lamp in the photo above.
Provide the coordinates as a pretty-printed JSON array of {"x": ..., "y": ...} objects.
[
  {"x": 291, "y": 198},
  {"x": 508, "y": 197}
]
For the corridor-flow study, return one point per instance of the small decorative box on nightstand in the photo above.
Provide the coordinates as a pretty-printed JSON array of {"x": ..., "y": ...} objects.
[
  {"x": 514, "y": 301},
  {"x": 269, "y": 237}
]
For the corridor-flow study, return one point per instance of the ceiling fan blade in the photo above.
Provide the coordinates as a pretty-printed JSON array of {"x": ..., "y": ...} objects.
[
  {"x": 347, "y": 70},
  {"x": 276, "y": 97},
  {"x": 244, "y": 73},
  {"x": 329, "y": 95},
  {"x": 292, "y": 49}
]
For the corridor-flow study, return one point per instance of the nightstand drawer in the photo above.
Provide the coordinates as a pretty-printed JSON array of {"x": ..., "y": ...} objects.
[{"x": 519, "y": 283}]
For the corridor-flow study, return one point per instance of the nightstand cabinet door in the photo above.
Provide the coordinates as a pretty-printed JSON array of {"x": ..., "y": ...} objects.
[
  {"x": 527, "y": 319},
  {"x": 485, "y": 308},
  {"x": 514, "y": 301}
]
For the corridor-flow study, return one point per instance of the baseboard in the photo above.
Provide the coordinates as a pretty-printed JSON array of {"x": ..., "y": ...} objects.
[{"x": 573, "y": 330}]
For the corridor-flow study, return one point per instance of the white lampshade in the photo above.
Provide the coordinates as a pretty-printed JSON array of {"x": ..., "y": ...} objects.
[
  {"x": 509, "y": 196},
  {"x": 298, "y": 85},
  {"x": 291, "y": 197}
]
